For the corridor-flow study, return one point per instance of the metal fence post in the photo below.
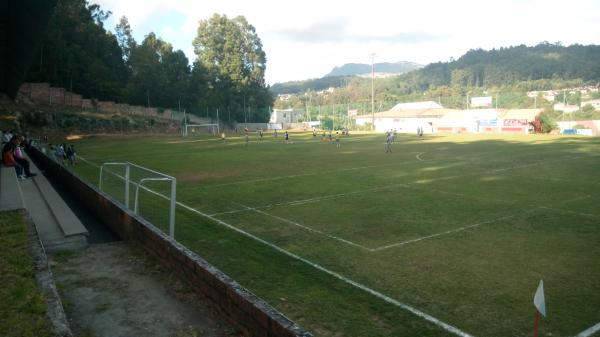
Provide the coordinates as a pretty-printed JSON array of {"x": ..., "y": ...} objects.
[
  {"x": 100, "y": 178},
  {"x": 127, "y": 185},
  {"x": 173, "y": 203}
]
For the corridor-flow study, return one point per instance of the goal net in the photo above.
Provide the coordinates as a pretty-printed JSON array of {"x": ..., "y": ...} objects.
[
  {"x": 148, "y": 193},
  {"x": 200, "y": 129}
]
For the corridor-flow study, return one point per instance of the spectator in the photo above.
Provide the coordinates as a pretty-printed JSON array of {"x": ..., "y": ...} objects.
[
  {"x": 6, "y": 137},
  {"x": 8, "y": 158},
  {"x": 59, "y": 153},
  {"x": 20, "y": 158}
]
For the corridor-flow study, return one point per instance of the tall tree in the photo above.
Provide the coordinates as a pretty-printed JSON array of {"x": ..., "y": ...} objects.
[
  {"x": 79, "y": 54},
  {"x": 231, "y": 52},
  {"x": 125, "y": 37},
  {"x": 147, "y": 80}
]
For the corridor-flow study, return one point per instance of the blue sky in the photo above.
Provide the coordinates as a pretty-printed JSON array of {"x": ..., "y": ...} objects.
[{"x": 306, "y": 39}]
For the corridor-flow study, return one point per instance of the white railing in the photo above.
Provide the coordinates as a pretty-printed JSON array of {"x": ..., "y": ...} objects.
[{"x": 139, "y": 185}]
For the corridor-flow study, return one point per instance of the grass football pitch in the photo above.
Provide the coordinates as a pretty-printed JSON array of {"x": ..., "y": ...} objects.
[{"x": 447, "y": 235}]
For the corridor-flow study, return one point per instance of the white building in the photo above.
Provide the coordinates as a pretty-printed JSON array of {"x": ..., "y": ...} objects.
[
  {"x": 565, "y": 107},
  {"x": 405, "y": 117},
  {"x": 595, "y": 103},
  {"x": 432, "y": 117},
  {"x": 287, "y": 116}
]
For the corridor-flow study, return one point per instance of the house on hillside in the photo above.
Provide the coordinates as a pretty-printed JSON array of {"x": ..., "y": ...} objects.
[
  {"x": 566, "y": 107},
  {"x": 595, "y": 103}
]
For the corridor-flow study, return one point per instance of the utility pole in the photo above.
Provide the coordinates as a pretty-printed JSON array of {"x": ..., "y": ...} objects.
[
  {"x": 564, "y": 103},
  {"x": 467, "y": 101},
  {"x": 319, "y": 116},
  {"x": 372, "y": 91},
  {"x": 333, "y": 116},
  {"x": 348, "y": 116}
]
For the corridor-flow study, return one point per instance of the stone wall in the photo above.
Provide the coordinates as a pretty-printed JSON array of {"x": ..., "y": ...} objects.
[{"x": 43, "y": 93}]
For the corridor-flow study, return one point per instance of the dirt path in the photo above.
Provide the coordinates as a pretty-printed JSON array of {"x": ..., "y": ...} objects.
[{"x": 112, "y": 290}]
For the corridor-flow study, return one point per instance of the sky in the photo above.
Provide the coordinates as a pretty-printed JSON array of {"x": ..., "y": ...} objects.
[{"x": 307, "y": 39}]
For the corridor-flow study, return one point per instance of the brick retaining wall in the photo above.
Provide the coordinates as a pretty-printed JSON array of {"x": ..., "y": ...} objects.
[{"x": 248, "y": 312}]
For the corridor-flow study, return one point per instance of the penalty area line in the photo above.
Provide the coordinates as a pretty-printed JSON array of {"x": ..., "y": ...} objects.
[
  {"x": 416, "y": 312},
  {"x": 310, "y": 229},
  {"x": 460, "y": 229}
]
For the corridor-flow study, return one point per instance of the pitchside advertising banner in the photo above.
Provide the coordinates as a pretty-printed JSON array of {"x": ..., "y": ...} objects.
[
  {"x": 515, "y": 122},
  {"x": 488, "y": 122},
  {"x": 485, "y": 101}
]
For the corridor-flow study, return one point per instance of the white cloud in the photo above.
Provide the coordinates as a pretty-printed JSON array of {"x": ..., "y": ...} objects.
[{"x": 306, "y": 39}]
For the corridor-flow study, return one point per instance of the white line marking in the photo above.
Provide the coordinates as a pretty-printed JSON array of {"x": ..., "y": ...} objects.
[
  {"x": 195, "y": 141},
  {"x": 386, "y": 298},
  {"x": 442, "y": 233},
  {"x": 458, "y": 159},
  {"x": 406, "y": 185},
  {"x": 471, "y": 226},
  {"x": 417, "y": 312},
  {"x": 588, "y": 332},
  {"x": 251, "y": 181},
  {"x": 310, "y": 229},
  {"x": 419, "y": 156},
  {"x": 88, "y": 162},
  {"x": 363, "y": 287},
  {"x": 315, "y": 199}
]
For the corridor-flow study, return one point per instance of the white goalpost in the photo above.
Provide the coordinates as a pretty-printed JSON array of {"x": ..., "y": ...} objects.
[
  {"x": 194, "y": 129},
  {"x": 154, "y": 194}
]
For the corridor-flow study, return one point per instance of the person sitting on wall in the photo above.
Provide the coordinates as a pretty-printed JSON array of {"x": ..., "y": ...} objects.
[
  {"x": 8, "y": 159},
  {"x": 20, "y": 158}
]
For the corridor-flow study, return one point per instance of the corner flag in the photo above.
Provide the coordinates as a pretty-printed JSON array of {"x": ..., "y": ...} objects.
[
  {"x": 540, "y": 304},
  {"x": 538, "y": 299}
]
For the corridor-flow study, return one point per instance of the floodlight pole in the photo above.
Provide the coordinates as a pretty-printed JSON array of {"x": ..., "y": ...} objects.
[{"x": 372, "y": 91}]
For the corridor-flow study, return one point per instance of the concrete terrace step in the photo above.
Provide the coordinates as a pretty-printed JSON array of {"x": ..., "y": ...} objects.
[
  {"x": 58, "y": 227},
  {"x": 11, "y": 197}
]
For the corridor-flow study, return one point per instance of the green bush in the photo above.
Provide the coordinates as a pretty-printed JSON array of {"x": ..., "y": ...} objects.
[{"x": 548, "y": 123}]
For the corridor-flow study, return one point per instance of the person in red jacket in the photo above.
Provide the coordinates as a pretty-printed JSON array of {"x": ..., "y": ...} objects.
[{"x": 8, "y": 158}]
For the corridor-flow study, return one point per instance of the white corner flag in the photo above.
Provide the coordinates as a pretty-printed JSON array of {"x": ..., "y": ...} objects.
[{"x": 538, "y": 299}]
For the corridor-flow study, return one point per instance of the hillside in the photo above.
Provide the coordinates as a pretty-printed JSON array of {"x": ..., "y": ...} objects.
[
  {"x": 315, "y": 84},
  {"x": 507, "y": 66},
  {"x": 341, "y": 76},
  {"x": 478, "y": 68},
  {"x": 350, "y": 69}
]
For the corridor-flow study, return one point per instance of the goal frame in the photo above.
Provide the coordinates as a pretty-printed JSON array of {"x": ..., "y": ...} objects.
[
  {"x": 186, "y": 127},
  {"x": 140, "y": 185}
]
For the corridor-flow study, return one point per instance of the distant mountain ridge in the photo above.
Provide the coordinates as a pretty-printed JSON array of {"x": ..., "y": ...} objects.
[
  {"x": 353, "y": 69},
  {"x": 478, "y": 68}
]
